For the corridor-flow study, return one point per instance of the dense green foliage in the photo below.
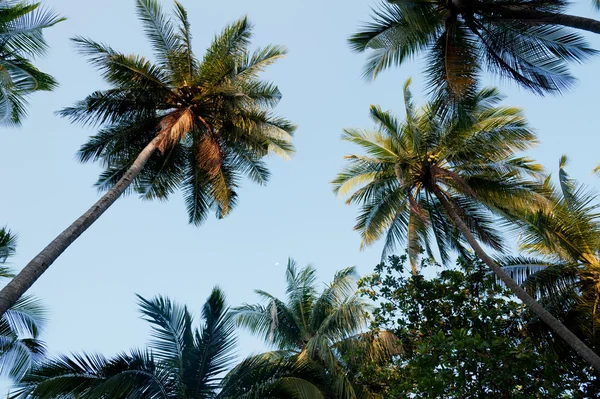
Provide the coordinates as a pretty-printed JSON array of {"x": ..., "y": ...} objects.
[{"x": 464, "y": 337}]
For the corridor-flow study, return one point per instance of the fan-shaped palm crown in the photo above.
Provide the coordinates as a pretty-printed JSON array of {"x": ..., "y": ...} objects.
[
  {"x": 469, "y": 158},
  {"x": 21, "y": 30},
  {"x": 308, "y": 319},
  {"x": 182, "y": 361},
  {"x": 525, "y": 41},
  {"x": 319, "y": 332},
  {"x": 211, "y": 119}
]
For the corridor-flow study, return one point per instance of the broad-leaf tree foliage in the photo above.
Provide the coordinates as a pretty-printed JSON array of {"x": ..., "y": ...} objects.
[
  {"x": 561, "y": 266},
  {"x": 447, "y": 178},
  {"x": 21, "y": 325},
  {"x": 181, "y": 361},
  {"x": 530, "y": 42},
  {"x": 319, "y": 332},
  {"x": 178, "y": 123},
  {"x": 463, "y": 337},
  {"x": 21, "y": 40}
]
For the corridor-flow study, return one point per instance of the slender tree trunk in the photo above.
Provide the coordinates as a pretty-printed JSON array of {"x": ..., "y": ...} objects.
[
  {"x": 38, "y": 265},
  {"x": 543, "y": 17},
  {"x": 589, "y": 355}
]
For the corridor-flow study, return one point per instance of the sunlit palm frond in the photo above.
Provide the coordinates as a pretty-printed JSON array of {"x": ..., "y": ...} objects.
[
  {"x": 124, "y": 71},
  {"x": 159, "y": 29}
]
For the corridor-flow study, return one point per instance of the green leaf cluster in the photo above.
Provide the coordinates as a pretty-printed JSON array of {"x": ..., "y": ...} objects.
[{"x": 464, "y": 337}]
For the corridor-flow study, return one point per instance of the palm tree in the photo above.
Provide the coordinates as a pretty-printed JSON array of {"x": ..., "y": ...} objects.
[
  {"x": 564, "y": 239},
  {"x": 272, "y": 377},
  {"x": 21, "y": 38},
  {"x": 21, "y": 325},
  {"x": 527, "y": 41},
  {"x": 317, "y": 330},
  {"x": 181, "y": 362},
  {"x": 181, "y": 123},
  {"x": 444, "y": 179}
]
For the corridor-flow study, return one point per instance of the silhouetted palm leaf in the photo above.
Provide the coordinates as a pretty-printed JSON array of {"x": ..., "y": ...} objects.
[
  {"x": 521, "y": 41},
  {"x": 181, "y": 361}
]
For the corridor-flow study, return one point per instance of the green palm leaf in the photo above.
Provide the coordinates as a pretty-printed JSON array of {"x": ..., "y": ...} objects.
[
  {"x": 171, "y": 331},
  {"x": 459, "y": 41}
]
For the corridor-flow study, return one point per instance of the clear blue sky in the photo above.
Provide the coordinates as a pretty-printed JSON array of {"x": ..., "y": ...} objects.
[{"x": 147, "y": 247}]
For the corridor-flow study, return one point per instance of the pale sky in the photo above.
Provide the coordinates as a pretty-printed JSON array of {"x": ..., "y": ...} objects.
[{"x": 148, "y": 248}]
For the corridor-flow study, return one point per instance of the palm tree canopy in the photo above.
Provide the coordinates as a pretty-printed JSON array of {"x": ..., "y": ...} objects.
[
  {"x": 21, "y": 325},
  {"x": 469, "y": 157},
  {"x": 212, "y": 117},
  {"x": 270, "y": 377},
  {"x": 21, "y": 32},
  {"x": 463, "y": 38},
  {"x": 561, "y": 246},
  {"x": 181, "y": 361},
  {"x": 314, "y": 333},
  {"x": 307, "y": 318}
]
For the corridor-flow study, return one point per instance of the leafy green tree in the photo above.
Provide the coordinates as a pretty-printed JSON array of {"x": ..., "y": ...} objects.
[
  {"x": 181, "y": 361},
  {"x": 21, "y": 29},
  {"x": 20, "y": 327},
  {"x": 317, "y": 331},
  {"x": 562, "y": 240},
  {"x": 178, "y": 124},
  {"x": 447, "y": 179},
  {"x": 463, "y": 337},
  {"x": 526, "y": 41}
]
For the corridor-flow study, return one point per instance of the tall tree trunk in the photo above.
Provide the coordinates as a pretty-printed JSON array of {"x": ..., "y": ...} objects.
[
  {"x": 38, "y": 265},
  {"x": 543, "y": 17},
  {"x": 589, "y": 355}
]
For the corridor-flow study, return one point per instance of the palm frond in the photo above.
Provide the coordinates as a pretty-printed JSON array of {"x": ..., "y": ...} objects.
[
  {"x": 159, "y": 30},
  {"x": 8, "y": 244},
  {"x": 212, "y": 354},
  {"x": 171, "y": 329}
]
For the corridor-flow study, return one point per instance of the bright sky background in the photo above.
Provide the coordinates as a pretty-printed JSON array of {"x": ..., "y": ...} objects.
[{"x": 147, "y": 247}]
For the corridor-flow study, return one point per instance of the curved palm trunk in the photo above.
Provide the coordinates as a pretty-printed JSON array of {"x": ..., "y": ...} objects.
[
  {"x": 38, "y": 265},
  {"x": 571, "y": 339}
]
